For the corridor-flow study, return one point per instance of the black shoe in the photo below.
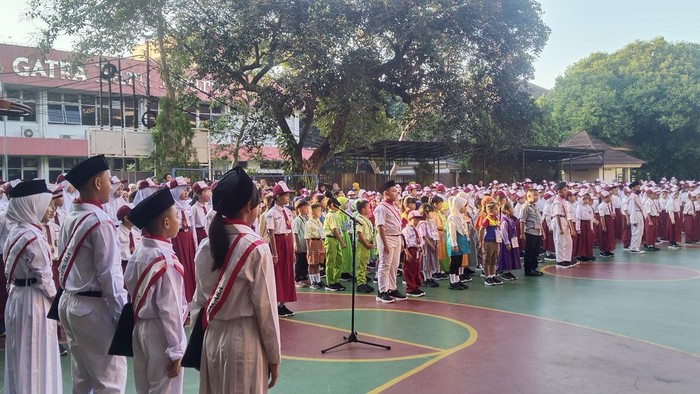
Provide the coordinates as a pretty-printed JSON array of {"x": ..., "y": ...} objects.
[
  {"x": 340, "y": 287},
  {"x": 533, "y": 273},
  {"x": 469, "y": 271},
  {"x": 509, "y": 276},
  {"x": 431, "y": 283},
  {"x": 439, "y": 276},
  {"x": 416, "y": 293},
  {"x": 62, "y": 350},
  {"x": 384, "y": 298},
  {"x": 497, "y": 280},
  {"x": 456, "y": 286},
  {"x": 282, "y": 311},
  {"x": 333, "y": 287},
  {"x": 489, "y": 282},
  {"x": 395, "y": 294},
  {"x": 399, "y": 272},
  {"x": 365, "y": 289},
  {"x": 345, "y": 277}
]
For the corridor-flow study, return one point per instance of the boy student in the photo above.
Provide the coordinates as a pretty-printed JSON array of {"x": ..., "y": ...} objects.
[
  {"x": 388, "y": 221},
  {"x": 91, "y": 276},
  {"x": 315, "y": 254},
  {"x": 414, "y": 251},
  {"x": 562, "y": 231},
  {"x": 332, "y": 244},
  {"x": 531, "y": 231},
  {"x": 301, "y": 266},
  {"x": 651, "y": 225},
  {"x": 154, "y": 278},
  {"x": 606, "y": 243},
  {"x": 636, "y": 212},
  {"x": 365, "y": 243},
  {"x": 278, "y": 221}
]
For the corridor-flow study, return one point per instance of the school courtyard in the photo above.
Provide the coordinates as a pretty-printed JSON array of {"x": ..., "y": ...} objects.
[{"x": 628, "y": 324}]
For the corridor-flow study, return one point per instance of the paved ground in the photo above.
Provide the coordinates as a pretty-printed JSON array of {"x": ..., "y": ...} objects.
[{"x": 627, "y": 324}]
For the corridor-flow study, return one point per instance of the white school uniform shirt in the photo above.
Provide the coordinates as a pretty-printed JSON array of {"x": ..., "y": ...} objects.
[
  {"x": 604, "y": 209},
  {"x": 97, "y": 265},
  {"x": 651, "y": 208},
  {"x": 254, "y": 293},
  {"x": 51, "y": 233},
  {"x": 5, "y": 227},
  {"x": 199, "y": 215},
  {"x": 429, "y": 229},
  {"x": 275, "y": 220},
  {"x": 124, "y": 247},
  {"x": 616, "y": 201},
  {"x": 689, "y": 208},
  {"x": 662, "y": 203},
  {"x": 559, "y": 208},
  {"x": 165, "y": 300},
  {"x": 59, "y": 217},
  {"x": 413, "y": 236},
  {"x": 112, "y": 207},
  {"x": 584, "y": 212},
  {"x": 571, "y": 212},
  {"x": 634, "y": 207},
  {"x": 386, "y": 214}
]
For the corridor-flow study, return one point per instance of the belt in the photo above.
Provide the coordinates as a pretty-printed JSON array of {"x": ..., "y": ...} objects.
[
  {"x": 25, "y": 282},
  {"x": 315, "y": 239},
  {"x": 392, "y": 235},
  {"x": 199, "y": 228},
  {"x": 184, "y": 230},
  {"x": 93, "y": 294}
]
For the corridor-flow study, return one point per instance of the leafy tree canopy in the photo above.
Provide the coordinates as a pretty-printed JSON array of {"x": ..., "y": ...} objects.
[{"x": 646, "y": 94}]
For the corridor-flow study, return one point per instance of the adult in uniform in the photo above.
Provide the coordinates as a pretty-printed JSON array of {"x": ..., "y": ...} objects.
[
  {"x": 91, "y": 276},
  {"x": 636, "y": 213},
  {"x": 389, "y": 244},
  {"x": 31, "y": 346}
]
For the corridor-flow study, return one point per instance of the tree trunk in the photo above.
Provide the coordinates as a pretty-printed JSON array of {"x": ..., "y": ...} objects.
[{"x": 404, "y": 133}]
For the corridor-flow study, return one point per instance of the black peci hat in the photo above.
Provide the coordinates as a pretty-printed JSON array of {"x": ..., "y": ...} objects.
[
  {"x": 29, "y": 188},
  {"x": 151, "y": 207},
  {"x": 387, "y": 185},
  {"x": 232, "y": 192},
  {"x": 634, "y": 184},
  {"x": 86, "y": 169},
  {"x": 559, "y": 186}
]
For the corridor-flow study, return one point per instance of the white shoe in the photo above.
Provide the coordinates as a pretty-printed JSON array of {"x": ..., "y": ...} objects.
[{"x": 637, "y": 251}]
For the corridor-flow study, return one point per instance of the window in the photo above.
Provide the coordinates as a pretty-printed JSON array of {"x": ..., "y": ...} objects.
[
  {"x": 209, "y": 114},
  {"x": 24, "y": 97},
  {"x": 87, "y": 110},
  {"x": 26, "y": 168},
  {"x": 64, "y": 108},
  {"x": 60, "y": 165}
]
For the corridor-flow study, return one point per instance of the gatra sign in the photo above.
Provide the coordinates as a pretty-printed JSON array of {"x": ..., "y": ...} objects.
[{"x": 53, "y": 69}]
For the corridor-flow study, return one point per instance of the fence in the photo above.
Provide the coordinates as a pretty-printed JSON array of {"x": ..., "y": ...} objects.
[{"x": 132, "y": 176}]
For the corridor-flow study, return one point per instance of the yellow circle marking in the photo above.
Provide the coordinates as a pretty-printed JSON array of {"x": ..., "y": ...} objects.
[
  {"x": 436, "y": 352},
  {"x": 697, "y": 273}
]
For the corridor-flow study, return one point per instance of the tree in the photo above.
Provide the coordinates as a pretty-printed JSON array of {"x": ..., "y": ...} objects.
[
  {"x": 340, "y": 66},
  {"x": 646, "y": 94},
  {"x": 114, "y": 27}
]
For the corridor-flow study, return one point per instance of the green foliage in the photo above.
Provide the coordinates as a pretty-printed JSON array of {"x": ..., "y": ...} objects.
[
  {"x": 646, "y": 94},
  {"x": 172, "y": 138}
]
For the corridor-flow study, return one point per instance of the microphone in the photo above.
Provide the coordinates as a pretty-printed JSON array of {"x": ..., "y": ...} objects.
[{"x": 332, "y": 199}]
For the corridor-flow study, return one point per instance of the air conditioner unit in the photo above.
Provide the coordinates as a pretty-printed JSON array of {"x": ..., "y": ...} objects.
[
  {"x": 29, "y": 132},
  {"x": 66, "y": 136}
]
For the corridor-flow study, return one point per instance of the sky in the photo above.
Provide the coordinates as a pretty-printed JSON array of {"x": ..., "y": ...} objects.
[{"x": 579, "y": 28}]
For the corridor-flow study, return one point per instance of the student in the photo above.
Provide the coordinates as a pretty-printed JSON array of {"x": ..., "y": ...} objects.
[
  {"x": 689, "y": 213},
  {"x": 560, "y": 227},
  {"x": 155, "y": 280},
  {"x": 531, "y": 232},
  {"x": 637, "y": 219},
  {"x": 279, "y": 228},
  {"x": 129, "y": 236},
  {"x": 509, "y": 253},
  {"x": 241, "y": 349},
  {"x": 333, "y": 244},
  {"x": 673, "y": 207},
  {"x": 364, "y": 244},
  {"x": 431, "y": 239},
  {"x": 414, "y": 250},
  {"x": 457, "y": 241},
  {"x": 490, "y": 238},
  {"x": 93, "y": 283},
  {"x": 200, "y": 209},
  {"x": 607, "y": 225},
  {"x": 585, "y": 224},
  {"x": 440, "y": 222},
  {"x": 31, "y": 346},
  {"x": 58, "y": 202},
  {"x": 388, "y": 221},
  {"x": 651, "y": 225},
  {"x": 345, "y": 228},
  {"x": 301, "y": 264},
  {"x": 115, "y": 199},
  {"x": 315, "y": 254}
]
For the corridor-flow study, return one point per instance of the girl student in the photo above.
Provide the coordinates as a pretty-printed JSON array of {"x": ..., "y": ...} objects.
[
  {"x": 440, "y": 221},
  {"x": 315, "y": 253},
  {"x": 490, "y": 236},
  {"x": 431, "y": 239},
  {"x": 585, "y": 225},
  {"x": 457, "y": 241},
  {"x": 509, "y": 253},
  {"x": 236, "y": 288}
]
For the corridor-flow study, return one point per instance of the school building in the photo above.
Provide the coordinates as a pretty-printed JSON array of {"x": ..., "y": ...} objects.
[{"x": 103, "y": 106}]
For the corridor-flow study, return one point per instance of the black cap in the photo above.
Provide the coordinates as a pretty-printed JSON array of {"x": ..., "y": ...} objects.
[
  {"x": 559, "y": 186},
  {"x": 86, "y": 169},
  {"x": 634, "y": 184},
  {"x": 151, "y": 207},
  {"x": 232, "y": 192},
  {"x": 29, "y": 188},
  {"x": 387, "y": 185}
]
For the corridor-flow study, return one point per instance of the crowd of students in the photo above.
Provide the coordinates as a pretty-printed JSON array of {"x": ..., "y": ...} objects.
[{"x": 230, "y": 255}]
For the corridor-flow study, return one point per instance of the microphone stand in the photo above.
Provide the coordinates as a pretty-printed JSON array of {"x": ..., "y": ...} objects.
[{"x": 352, "y": 337}]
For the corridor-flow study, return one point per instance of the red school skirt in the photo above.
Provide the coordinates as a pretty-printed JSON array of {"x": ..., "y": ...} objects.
[
  {"x": 284, "y": 269},
  {"x": 184, "y": 248}
]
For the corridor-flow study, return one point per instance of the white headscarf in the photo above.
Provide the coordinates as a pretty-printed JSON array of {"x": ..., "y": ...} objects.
[
  {"x": 456, "y": 215},
  {"x": 181, "y": 205},
  {"x": 29, "y": 209}
]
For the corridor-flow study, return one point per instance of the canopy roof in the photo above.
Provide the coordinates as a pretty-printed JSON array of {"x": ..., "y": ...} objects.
[
  {"x": 556, "y": 154},
  {"x": 399, "y": 150}
]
